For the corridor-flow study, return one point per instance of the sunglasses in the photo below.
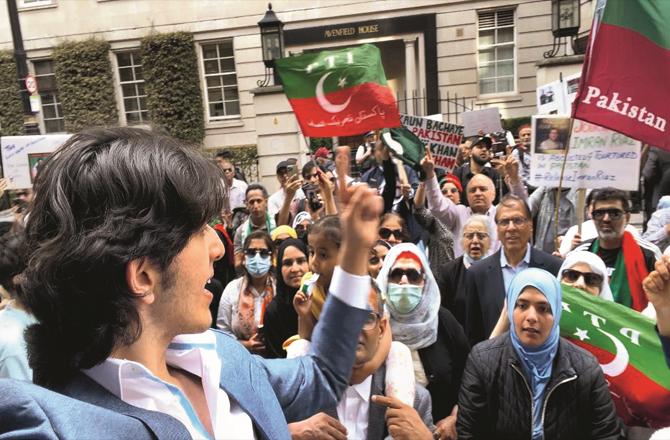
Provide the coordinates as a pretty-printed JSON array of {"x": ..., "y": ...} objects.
[
  {"x": 228, "y": 170},
  {"x": 614, "y": 214},
  {"x": 371, "y": 321},
  {"x": 301, "y": 228},
  {"x": 590, "y": 279},
  {"x": 252, "y": 252},
  {"x": 449, "y": 190},
  {"x": 413, "y": 276},
  {"x": 479, "y": 235},
  {"x": 386, "y": 233}
]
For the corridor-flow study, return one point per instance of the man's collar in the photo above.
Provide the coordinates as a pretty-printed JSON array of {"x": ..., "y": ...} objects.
[
  {"x": 363, "y": 388},
  {"x": 503, "y": 258}
]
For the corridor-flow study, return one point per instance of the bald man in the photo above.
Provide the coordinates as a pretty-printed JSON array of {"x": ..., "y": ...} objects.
[{"x": 480, "y": 193}]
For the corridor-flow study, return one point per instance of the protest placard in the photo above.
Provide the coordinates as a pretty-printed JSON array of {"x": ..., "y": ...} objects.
[
  {"x": 551, "y": 99},
  {"x": 597, "y": 157},
  {"x": 486, "y": 120},
  {"x": 442, "y": 138},
  {"x": 22, "y": 156}
]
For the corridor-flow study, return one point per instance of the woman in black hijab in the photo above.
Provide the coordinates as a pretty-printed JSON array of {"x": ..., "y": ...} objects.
[{"x": 281, "y": 320}]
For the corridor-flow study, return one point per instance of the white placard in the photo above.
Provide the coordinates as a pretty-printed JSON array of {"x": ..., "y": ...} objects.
[
  {"x": 442, "y": 138},
  {"x": 22, "y": 155},
  {"x": 570, "y": 86},
  {"x": 486, "y": 120},
  {"x": 597, "y": 157},
  {"x": 551, "y": 99}
]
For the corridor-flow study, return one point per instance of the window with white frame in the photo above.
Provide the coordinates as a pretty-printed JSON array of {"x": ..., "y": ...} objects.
[
  {"x": 52, "y": 113},
  {"x": 132, "y": 87},
  {"x": 223, "y": 99},
  {"x": 495, "y": 51}
]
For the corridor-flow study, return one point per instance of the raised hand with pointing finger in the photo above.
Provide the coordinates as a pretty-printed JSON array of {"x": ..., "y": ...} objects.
[{"x": 402, "y": 421}]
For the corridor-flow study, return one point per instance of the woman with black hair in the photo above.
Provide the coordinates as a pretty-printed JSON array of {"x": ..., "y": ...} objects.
[
  {"x": 281, "y": 320},
  {"x": 244, "y": 300}
]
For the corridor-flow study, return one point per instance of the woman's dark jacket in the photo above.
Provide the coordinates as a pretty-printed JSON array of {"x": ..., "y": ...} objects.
[
  {"x": 495, "y": 400},
  {"x": 443, "y": 363}
]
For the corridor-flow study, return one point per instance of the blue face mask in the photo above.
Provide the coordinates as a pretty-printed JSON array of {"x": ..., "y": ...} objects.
[
  {"x": 257, "y": 266},
  {"x": 404, "y": 297}
]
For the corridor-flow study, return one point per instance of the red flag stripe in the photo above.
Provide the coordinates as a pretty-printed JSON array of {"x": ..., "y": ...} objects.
[
  {"x": 639, "y": 400},
  {"x": 372, "y": 106}
]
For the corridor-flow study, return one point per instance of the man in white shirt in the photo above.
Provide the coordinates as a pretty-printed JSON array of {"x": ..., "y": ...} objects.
[
  {"x": 234, "y": 190},
  {"x": 120, "y": 254},
  {"x": 276, "y": 200},
  {"x": 358, "y": 416}
]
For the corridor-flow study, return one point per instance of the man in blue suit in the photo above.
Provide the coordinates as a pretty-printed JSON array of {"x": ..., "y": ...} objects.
[{"x": 120, "y": 254}]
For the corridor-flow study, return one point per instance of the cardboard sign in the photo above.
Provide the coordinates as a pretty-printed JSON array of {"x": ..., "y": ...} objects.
[
  {"x": 597, "y": 157},
  {"x": 442, "y": 138},
  {"x": 486, "y": 120},
  {"x": 23, "y": 155},
  {"x": 551, "y": 99}
]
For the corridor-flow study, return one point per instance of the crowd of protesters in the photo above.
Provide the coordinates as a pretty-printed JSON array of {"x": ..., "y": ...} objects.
[{"x": 149, "y": 292}]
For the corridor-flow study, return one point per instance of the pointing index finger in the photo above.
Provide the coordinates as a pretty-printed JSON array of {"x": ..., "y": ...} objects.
[{"x": 389, "y": 402}]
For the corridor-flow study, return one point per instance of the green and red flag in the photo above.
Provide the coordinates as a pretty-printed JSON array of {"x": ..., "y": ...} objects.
[
  {"x": 339, "y": 92},
  {"x": 629, "y": 352},
  {"x": 624, "y": 85}
]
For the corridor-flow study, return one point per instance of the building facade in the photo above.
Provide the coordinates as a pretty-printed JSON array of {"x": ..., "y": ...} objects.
[{"x": 439, "y": 56}]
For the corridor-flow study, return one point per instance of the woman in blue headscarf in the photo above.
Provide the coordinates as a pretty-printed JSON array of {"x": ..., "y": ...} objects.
[{"x": 528, "y": 382}]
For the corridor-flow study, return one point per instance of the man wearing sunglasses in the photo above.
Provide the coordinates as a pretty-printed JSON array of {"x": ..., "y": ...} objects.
[{"x": 628, "y": 258}]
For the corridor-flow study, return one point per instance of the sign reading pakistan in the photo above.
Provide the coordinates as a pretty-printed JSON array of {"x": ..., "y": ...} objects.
[
  {"x": 442, "y": 138},
  {"x": 339, "y": 92}
]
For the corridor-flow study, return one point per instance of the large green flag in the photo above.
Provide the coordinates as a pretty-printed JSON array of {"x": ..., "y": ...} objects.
[{"x": 629, "y": 351}]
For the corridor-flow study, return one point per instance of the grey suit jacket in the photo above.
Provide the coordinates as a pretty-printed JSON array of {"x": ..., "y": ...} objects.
[
  {"x": 377, "y": 413},
  {"x": 271, "y": 392}
]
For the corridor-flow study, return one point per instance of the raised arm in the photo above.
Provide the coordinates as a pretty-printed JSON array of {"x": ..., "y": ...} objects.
[{"x": 441, "y": 207}]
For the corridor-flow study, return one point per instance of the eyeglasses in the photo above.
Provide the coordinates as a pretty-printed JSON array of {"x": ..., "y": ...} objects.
[
  {"x": 478, "y": 235},
  {"x": 371, "y": 321},
  {"x": 413, "y": 276},
  {"x": 591, "y": 279},
  {"x": 518, "y": 221},
  {"x": 252, "y": 252},
  {"x": 291, "y": 261},
  {"x": 449, "y": 190},
  {"x": 386, "y": 233},
  {"x": 228, "y": 170},
  {"x": 614, "y": 214}
]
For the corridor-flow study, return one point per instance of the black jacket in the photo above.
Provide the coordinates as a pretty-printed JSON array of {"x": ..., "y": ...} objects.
[
  {"x": 452, "y": 288},
  {"x": 485, "y": 291},
  {"x": 443, "y": 362},
  {"x": 495, "y": 402}
]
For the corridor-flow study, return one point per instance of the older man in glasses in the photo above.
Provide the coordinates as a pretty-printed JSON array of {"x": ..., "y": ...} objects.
[{"x": 628, "y": 258}]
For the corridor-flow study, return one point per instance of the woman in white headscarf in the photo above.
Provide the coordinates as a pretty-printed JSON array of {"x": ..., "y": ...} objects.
[{"x": 437, "y": 341}]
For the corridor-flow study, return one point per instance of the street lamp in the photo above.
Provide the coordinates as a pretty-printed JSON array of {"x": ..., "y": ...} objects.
[
  {"x": 565, "y": 18},
  {"x": 272, "y": 43}
]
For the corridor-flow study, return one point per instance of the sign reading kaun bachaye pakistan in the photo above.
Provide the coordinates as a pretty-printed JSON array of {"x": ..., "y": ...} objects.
[
  {"x": 597, "y": 157},
  {"x": 442, "y": 138}
]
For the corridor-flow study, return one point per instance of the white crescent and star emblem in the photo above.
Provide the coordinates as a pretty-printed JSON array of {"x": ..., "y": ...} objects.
[
  {"x": 620, "y": 362},
  {"x": 323, "y": 101}
]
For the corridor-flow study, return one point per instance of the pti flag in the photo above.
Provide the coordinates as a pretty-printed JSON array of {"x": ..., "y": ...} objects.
[
  {"x": 625, "y": 75},
  {"x": 629, "y": 352},
  {"x": 339, "y": 92}
]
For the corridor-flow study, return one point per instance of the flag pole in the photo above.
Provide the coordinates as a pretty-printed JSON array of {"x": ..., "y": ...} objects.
[{"x": 560, "y": 185}]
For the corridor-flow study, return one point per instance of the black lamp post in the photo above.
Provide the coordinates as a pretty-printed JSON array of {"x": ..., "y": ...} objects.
[
  {"x": 272, "y": 44},
  {"x": 565, "y": 19}
]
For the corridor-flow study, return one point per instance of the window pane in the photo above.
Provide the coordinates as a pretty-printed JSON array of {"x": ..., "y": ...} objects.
[
  {"x": 486, "y": 55},
  {"x": 213, "y": 81},
  {"x": 506, "y": 84},
  {"x": 209, "y": 51},
  {"x": 126, "y": 74},
  {"x": 229, "y": 80},
  {"x": 214, "y": 94},
  {"x": 230, "y": 94},
  {"x": 140, "y": 89},
  {"x": 130, "y": 104},
  {"x": 211, "y": 66},
  {"x": 487, "y": 72},
  {"x": 505, "y": 53},
  {"x": 44, "y": 67},
  {"x": 143, "y": 103},
  {"x": 47, "y": 98},
  {"x": 128, "y": 90},
  {"x": 54, "y": 126},
  {"x": 505, "y": 68},
  {"x": 233, "y": 108},
  {"x": 46, "y": 83},
  {"x": 139, "y": 75},
  {"x": 227, "y": 65},
  {"x": 132, "y": 118},
  {"x": 486, "y": 37},
  {"x": 216, "y": 109},
  {"x": 226, "y": 48},
  {"x": 505, "y": 35},
  {"x": 487, "y": 86},
  {"x": 123, "y": 58},
  {"x": 49, "y": 111}
]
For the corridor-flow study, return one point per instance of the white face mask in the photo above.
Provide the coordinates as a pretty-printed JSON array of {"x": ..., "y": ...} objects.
[
  {"x": 404, "y": 297},
  {"x": 257, "y": 266}
]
